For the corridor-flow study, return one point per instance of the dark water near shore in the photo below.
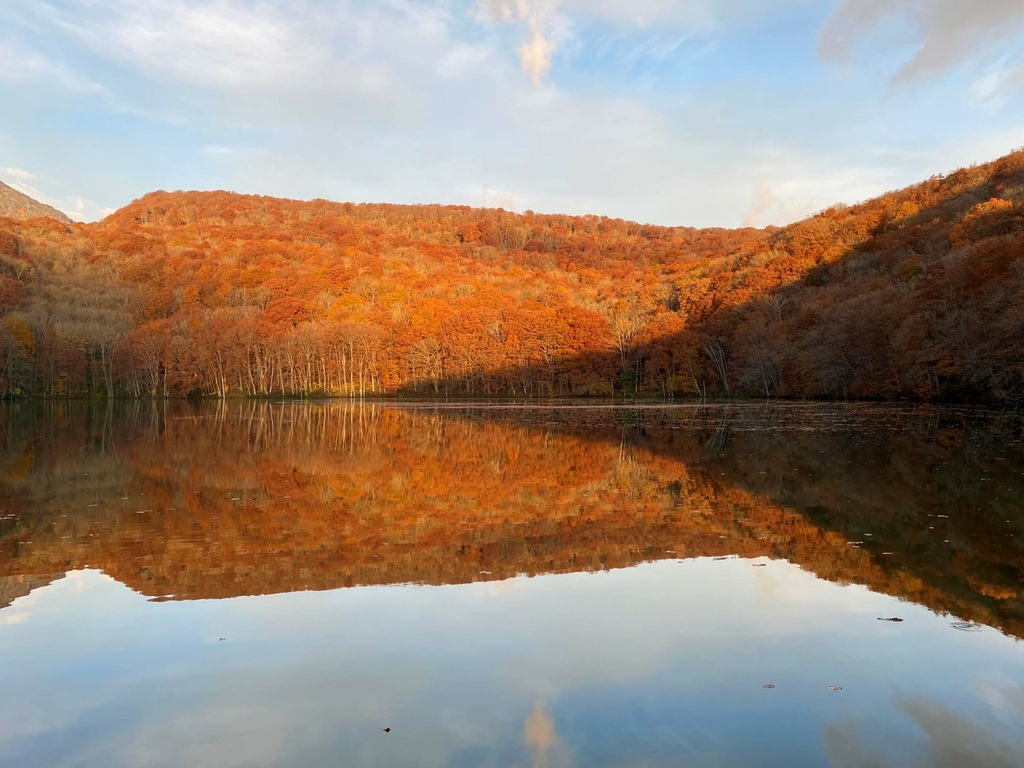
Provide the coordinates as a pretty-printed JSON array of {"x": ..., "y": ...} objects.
[{"x": 256, "y": 584}]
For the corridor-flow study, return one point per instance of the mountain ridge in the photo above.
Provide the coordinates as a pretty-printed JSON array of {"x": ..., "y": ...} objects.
[
  {"x": 18, "y": 205},
  {"x": 917, "y": 294},
  {"x": 158, "y": 196}
]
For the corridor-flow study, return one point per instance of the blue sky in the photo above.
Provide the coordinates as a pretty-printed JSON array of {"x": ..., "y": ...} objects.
[{"x": 696, "y": 112}]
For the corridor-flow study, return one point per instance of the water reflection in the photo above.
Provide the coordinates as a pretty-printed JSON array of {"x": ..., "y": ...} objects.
[
  {"x": 657, "y": 665},
  {"x": 182, "y": 502},
  {"x": 946, "y": 739},
  {"x": 537, "y": 587}
]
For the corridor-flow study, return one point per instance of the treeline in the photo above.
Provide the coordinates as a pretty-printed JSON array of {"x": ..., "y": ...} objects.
[{"x": 917, "y": 294}]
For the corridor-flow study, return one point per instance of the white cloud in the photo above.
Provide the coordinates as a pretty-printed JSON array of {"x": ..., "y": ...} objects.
[
  {"x": 539, "y": 17},
  {"x": 462, "y": 59},
  {"x": 269, "y": 58},
  {"x": 19, "y": 174},
  {"x": 548, "y": 23},
  {"x": 493, "y": 198},
  {"x": 22, "y": 64},
  {"x": 31, "y": 184},
  {"x": 998, "y": 83},
  {"x": 224, "y": 43},
  {"x": 81, "y": 209},
  {"x": 418, "y": 101},
  {"x": 944, "y": 33},
  {"x": 24, "y": 184},
  {"x": 790, "y": 185}
]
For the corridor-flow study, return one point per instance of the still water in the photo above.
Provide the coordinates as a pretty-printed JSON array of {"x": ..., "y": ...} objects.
[{"x": 257, "y": 584}]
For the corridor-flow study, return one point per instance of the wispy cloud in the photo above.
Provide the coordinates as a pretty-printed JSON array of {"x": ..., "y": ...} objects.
[
  {"x": 21, "y": 63},
  {"x": 222, "y": 44},
  {"x": 548, "y": 24},
  {"x": 19, "y": 174},
  {"x": 34, "y": 185},
  {"x": 943, "y": 33},
  {"x": 575, "y": 106},
  {"x": 998, "y": 83},
  {"x": 540, "y": 19}
]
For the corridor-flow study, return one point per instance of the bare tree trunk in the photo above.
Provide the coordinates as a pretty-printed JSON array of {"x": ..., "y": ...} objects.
[{"x": 715, "y": 350}]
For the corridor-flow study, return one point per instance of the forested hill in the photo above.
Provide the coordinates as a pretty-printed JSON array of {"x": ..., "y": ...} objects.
[
  {"x": 917, "y": 294},
  {"x": 17, "y": 205}
]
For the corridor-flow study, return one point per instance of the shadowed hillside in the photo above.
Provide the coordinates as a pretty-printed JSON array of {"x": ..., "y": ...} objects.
[{"x": 915, "y": 295}]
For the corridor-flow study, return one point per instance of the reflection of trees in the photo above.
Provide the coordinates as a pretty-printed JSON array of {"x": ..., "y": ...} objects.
[
  {"x": 13, "y": 587},
  {"x": 249, "y": 498}
]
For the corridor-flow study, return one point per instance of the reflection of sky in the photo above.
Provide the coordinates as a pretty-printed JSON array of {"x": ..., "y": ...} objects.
[{"x": 658, "y": 665}]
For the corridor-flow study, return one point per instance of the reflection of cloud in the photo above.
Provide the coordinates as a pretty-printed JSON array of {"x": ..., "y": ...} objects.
[
  {"x": 769, "y": 584},
  {"x": 11, "y": 618},
  {"x": 952, "y": 741},
  {"x": 539, "y": 735},
  {"x": 1004, "y": 699},
  {"x": 956, "y": 741},
  {"x": 843, "y": 747}
]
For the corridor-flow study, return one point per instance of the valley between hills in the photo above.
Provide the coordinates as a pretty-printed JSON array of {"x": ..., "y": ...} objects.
[{"x": 915, "y": 295}]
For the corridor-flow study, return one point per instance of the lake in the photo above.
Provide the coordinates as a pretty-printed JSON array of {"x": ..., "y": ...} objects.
[{"x": 328, "y": 584}]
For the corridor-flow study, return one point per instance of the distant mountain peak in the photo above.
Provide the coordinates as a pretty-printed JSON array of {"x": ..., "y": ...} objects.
[{"x": 18, "y": 205}]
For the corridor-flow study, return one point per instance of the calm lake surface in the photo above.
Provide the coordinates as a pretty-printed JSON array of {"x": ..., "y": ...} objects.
[{"x": 258, "y": 584}]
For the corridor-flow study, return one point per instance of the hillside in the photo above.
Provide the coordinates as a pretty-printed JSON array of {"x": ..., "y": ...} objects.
[
  {"x": 17, "y": 205},
  {"x": 915, "y": 295}
]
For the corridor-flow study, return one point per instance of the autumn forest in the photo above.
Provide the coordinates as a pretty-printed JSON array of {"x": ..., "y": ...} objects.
[{"x": 914, "y": 295}]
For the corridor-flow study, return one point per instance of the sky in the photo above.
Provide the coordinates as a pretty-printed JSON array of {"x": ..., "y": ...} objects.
[{"x": 676, "y": 112}]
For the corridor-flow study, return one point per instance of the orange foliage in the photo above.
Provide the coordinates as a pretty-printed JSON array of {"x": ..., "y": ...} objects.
[{"x": 914, "y": 295}]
